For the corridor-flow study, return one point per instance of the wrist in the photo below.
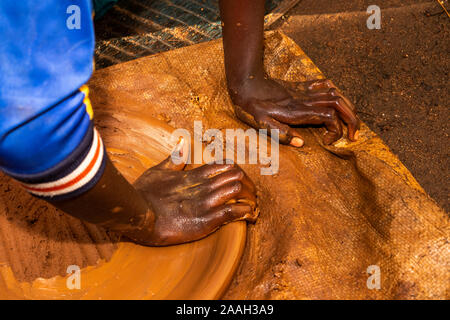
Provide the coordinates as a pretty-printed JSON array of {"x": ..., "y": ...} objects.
[
  {"x": 257, "y": 88},
  {"x": 140, "y": 227},
  {"x": 139, "y": 218},
  {"x": 147, "y": 222},
  {"x": 241, "y": 89}
]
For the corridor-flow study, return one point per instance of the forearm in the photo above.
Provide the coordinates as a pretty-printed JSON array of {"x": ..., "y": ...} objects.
[
  {"x": 242, "y": 28},
  {"x": 48, "y": 142},
  {"x": 112, "y": 203}
]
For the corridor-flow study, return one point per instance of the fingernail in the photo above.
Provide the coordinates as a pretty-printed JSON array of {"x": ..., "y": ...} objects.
[
  {"x": 356, "y": 136},
  {"x": 297, "y": 142}
]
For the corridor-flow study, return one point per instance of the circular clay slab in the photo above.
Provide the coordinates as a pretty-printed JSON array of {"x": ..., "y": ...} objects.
[{"x": 197, "y": 270}]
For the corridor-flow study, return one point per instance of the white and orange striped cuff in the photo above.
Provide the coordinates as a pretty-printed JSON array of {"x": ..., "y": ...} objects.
[{"x": 77, "y": 181}]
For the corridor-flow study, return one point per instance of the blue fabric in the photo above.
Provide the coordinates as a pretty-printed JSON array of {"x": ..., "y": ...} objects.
[{"x": 43, "y": 63}]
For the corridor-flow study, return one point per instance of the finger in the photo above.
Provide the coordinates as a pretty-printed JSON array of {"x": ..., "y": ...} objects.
[
  {"x": 235, "y": 174},
  {"x": 260, "y": 120},
  {"x": 286, "y": 134},
  {"x": 338, "y": 92},
  {"x": 352, "y": 119},
  {"x": 215, "y": 218},
  {"x": 308, "y": 115},
  {"x": 229, "y": 213},
  {"x": 210, "y": 170},
  {"x": 332, "y": 92},
  {"x": 344, "y": 111},
  {"x": 177, "y": 159},
  {"x": 248, "y": 183},
  {"x": 328, "y": 94},
  {"x": 234, "y": 212},
  {"x": 231, "y": 191},
  {"x": 320, "y": 84},
  {"x": 334, "y": 131},
  {"x": 333, "y": 135},
  {"x": 326, "y": 85},
  {"x": 329, "y": 86}
]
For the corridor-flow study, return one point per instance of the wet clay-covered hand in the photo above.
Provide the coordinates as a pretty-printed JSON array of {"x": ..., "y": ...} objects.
[
  {"x": 190, "y": 204},
  {"x": 167, "y": 204},
  {"x": 264, "y": 103}
]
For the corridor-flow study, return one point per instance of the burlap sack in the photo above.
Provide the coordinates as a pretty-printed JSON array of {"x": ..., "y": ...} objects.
[{"x": 328, "y": 215}]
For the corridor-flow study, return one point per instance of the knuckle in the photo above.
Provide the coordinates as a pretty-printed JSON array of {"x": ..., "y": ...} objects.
[
  {"x": 325, "y": 82},
  {"x": 223, "y": 212},
  {"x": 281, "y": 128},
  {"x": 238, "y": 173},
  {"x": 236, "y": 187},
  {"x": 338, "y": 100},
  {"x": 332, "y": 114},
  {"x": 232, "y": 167},
  {"x": 329, "y": 83},
  {"x": 262, "y": 120},
  {"x": 226, "y": 166},
  {"x": 333, "y": 92},
  {"x": 228, "y": 210},
  {"x": 205, "y": 203},
  {"x": 209, "y": 187}
]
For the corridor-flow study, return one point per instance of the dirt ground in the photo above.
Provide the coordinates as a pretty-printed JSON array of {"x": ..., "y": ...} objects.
[{"x": 397, "y": 76}]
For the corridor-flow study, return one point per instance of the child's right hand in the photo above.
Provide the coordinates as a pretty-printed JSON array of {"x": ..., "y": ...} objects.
[{"x": 191, "y": 204}]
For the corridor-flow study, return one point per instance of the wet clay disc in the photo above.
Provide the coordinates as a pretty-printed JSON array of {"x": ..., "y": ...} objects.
[{"x": 197, "y": 270}]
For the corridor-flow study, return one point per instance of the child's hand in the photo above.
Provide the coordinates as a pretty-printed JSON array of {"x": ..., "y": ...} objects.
[
  {"x": 190, "y": 204},
  {"x": 266, "y": 104}
]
